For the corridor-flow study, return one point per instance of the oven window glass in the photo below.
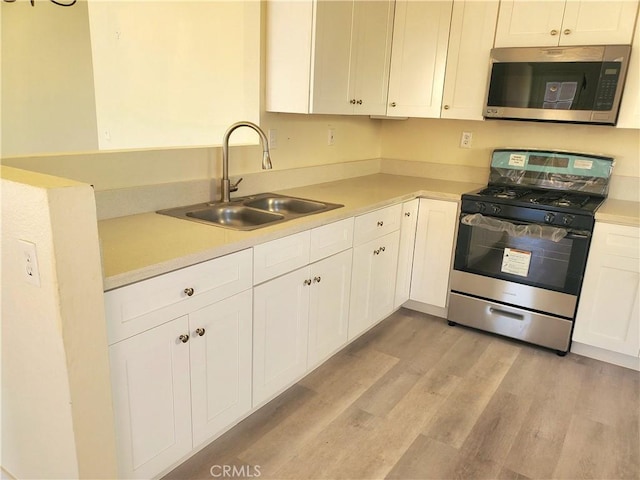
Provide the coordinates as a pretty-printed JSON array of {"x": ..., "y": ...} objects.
[
  {"x": 545, "y": 85},
  {"x": 532, "y": 261}
]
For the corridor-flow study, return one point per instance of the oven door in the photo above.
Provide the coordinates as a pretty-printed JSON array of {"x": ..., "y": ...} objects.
[{"x": 528, "y": 265}]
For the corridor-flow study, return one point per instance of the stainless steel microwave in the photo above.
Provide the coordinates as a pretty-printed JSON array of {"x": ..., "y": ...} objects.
[{"x": 558, "y": 84}]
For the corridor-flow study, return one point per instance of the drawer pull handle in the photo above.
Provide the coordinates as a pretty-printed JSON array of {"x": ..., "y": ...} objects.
[
  {"x": 307, "y": 281},
  {"x": 317, "y": 279},
  {"x": 200, "y": 331},
  {"x": 188, "y": 291},
  {"x": 504, "y": 313},
  {"x": 184, "y": 338},
  {"x": 380, "y": 224}
]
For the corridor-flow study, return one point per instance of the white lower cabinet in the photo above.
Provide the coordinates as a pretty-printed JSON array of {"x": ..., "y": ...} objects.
[
  {"x": 280, "y": 329},
  {"x": 179, "y": 384},
  {"x": 151, "y": 399},
  {"x": 433, "y": 252},
  {"x": 299, "y": 320},
  {"x": 329, "y": 306},
  {"x": 608, "y": 313},
  {"x": 373, "y": 282},
  {"x": 220, "y": 352},
  {"x": 405, "y": 250}
]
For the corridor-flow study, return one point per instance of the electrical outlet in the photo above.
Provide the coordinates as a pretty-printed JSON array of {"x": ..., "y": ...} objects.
[
  {"x": 273, "y": 138},
  {"x": 465, "y": 140},
  {"x": 29, "y": 260},
  {"x": 331, "y": 136}
]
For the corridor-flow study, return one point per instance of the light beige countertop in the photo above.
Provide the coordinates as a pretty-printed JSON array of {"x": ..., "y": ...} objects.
[
  {"x": 621, "y": 212},
  {"x": 138, "y": 247}
]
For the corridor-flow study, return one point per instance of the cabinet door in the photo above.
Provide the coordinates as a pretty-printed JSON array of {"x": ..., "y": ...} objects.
[
  {"x": 151, "y": 399},
  {"x": 372, "y": 291},
  {"x": 220, "y": 349},
  {"x": 332, "y": 58},
  {"x": 280, "y": 331},
  {"x": 418, "y": 57},
  {"x": 473, "y": 26},
  {"x": 405, "y": 251},
  {"x": 329, "y": 306},
  {"x": 369, "y": 83},
  {"x": 526, "y": 23},
  {"x": 435, "y": 236},
  {"x": 630, "y": 104},
  {"x": 603, "y": 22},
  {"x": 608, "y": 313}
]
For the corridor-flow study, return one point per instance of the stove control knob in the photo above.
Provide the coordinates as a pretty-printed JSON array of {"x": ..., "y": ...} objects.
[
  {"x": 495, "y": 208},
  {"x": 549, "y": 217},
  {"x": 481, "y": 206},
  {"x": 568, "y": 219}
]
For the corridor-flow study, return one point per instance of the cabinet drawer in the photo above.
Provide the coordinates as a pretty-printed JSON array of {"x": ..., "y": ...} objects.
[
  {"x": 376, "y": 224},
  {"x": 144, "y": 305},
  {"x": 280, "y": 256},
  {"x": 331, "y": 239}
]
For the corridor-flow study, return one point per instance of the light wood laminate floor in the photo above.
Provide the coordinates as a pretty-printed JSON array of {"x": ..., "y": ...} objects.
[{"x": 414, "y": 398}]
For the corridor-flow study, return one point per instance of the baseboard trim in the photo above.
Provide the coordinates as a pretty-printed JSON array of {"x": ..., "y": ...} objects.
[{"x": 608, "y": 356}]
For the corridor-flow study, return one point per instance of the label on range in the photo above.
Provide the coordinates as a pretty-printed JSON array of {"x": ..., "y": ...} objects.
[{"x": 516, "y": 262}]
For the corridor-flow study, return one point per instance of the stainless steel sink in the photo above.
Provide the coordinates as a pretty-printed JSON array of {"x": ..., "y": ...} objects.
[
  {"x": 235, "y": 216},
  {"x": 252, "y": 212},
  {"x": 287, "y": 205}
]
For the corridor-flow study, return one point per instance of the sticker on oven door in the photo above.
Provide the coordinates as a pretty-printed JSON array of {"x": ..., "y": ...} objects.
[
  {"x": 517, "y": 160},
  {"x": 516, "y": 262}
]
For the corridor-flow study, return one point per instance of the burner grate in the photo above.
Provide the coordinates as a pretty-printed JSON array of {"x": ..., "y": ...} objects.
[
  {"x": 559, "y": 199},
  {"x": 504, "y": 192}
]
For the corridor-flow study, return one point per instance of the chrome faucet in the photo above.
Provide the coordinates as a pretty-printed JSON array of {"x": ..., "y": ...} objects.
[{"x": 227, "y": 187}]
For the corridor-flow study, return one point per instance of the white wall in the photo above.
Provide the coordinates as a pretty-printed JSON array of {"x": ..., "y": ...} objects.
[
  {"x": 436, "y": 141},
  {"x": 57, "y": 419}
]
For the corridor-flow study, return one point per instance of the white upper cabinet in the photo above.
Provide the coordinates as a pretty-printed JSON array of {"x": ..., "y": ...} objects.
[
  {"x": 172, "y": 74},
  {"x": 329, "y": 57},
  {"x": 630, "y": 104},
  {"x": 473, "y": 26},
  {"x": 418, "y": 58},
  {"x": 527, "y": 23}
]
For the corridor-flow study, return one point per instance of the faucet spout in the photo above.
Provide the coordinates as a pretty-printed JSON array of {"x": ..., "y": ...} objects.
[{"x": 226, "y": 188}]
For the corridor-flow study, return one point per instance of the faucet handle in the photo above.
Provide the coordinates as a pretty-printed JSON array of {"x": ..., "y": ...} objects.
[{"x": 234, "y": 186}]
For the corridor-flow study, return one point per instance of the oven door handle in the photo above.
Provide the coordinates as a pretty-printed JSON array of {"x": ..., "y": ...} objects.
[{"x": 581, "y": 235}]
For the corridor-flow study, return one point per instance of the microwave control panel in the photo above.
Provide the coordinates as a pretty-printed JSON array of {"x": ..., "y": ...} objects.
[{"x": 607, "y": 86}]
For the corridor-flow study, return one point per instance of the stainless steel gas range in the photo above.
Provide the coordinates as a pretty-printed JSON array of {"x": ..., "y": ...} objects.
[{"x": 523, "y": 242}]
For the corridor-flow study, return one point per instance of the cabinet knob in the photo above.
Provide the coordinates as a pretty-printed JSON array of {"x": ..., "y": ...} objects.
[
  {"x": 446, "y": 107},
  {"x": 407, "y": 214},
  {"x": 200, "y": 331},
  {"x": 382, "y": 249},
  {"x": 392, "y": 104},
  {"x": 359, "y": 102},
  {"x": 380, "y": 224},
  {"x": 352, "y": 101},
  {"x": 317, "y": 279},
  {"x": 554, "y": 32},
  {"x": 307, "y": 281},
  {"x": 567, "y": 32},
  {"x": 376, "y": 252},
  {"x": 184, "y": 338},
  {"x": 188, "y": 291}
]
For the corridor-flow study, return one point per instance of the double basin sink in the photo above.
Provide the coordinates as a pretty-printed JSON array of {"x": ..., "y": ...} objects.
[{"x": 252, "y": 212}]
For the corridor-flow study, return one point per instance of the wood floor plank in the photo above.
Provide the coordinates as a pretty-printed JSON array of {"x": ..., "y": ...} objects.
[
  {"x": 456, "y": 418},
  {"x": 592, "y": 450},
  {"x": 425, "y": 459}
]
